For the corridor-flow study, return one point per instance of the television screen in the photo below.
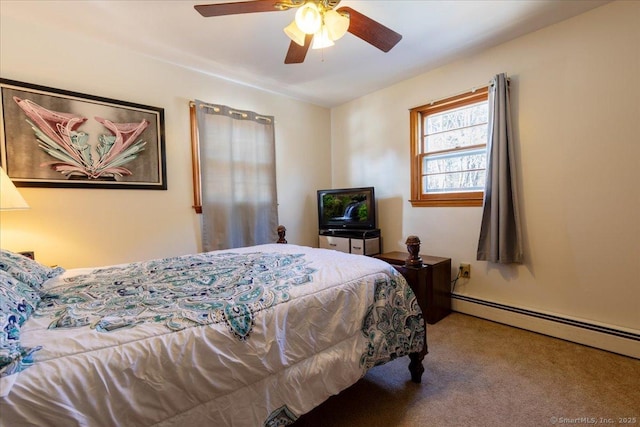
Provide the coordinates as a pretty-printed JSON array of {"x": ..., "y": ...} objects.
[{"x": 347, "y": 208}]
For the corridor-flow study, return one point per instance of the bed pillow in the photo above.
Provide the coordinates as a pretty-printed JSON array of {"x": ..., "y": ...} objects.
[
  {"x": 17, "y": 298},
  {"x": 27, "y": 270},
  {"x": 17, "y": 302}
]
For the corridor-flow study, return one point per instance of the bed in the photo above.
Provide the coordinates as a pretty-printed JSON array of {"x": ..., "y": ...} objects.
[{"x": 253, "y": 336}]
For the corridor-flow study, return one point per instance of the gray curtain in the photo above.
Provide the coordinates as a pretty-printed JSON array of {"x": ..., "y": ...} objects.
[
  {"x": 500, "y": 234},
  {"x": 238, "y": 175}
]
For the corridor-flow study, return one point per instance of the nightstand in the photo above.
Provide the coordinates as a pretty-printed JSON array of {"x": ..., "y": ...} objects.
[{"x": 431, "y": 282}]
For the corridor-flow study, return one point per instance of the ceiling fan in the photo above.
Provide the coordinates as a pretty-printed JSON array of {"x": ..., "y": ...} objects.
[{"x": 317, "y": 24}]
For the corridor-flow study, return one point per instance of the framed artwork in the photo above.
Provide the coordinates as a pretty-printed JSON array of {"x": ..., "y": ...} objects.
[{"x": 57, "y": 138}]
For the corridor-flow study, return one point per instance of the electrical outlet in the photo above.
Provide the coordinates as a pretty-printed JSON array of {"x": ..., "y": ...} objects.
[{"x": 465, "y": 271}]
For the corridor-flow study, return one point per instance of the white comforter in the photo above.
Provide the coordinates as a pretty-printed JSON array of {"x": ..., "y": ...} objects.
[{"x": 313, "y": 340}]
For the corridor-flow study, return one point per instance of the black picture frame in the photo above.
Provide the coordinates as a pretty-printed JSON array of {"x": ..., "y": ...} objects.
[{"x": 58, "y": 138}]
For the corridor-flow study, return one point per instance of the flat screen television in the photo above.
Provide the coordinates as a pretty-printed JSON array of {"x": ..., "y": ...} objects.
[{"x": 347, "y": 208}]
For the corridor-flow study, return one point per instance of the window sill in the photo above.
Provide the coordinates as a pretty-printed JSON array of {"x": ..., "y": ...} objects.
[{"x": 453, "y": 202}]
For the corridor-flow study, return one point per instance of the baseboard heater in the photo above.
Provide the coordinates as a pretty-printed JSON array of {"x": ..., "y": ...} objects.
[{"x": 550, "y": 317}]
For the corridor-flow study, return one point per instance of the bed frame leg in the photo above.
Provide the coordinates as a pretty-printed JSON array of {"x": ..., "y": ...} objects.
[
  {"x": 414, "y": 261},
  {"x": 415, "y": 366}
]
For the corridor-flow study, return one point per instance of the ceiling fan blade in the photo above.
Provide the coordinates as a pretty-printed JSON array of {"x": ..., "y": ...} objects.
[
  {"x": 371, "y": 31},
  {"x": 297, "y": 53},
  {"x": 220, "y": 9}
]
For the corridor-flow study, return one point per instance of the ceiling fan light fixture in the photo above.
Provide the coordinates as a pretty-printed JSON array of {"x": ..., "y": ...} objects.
[
  {"x": 336, "y": 24},
  {"x": 321, "y": 39},
  {"x": 309, "y": 18},
  {"x": 317, "y": 24},
  {"x": 295, "y": 33}
]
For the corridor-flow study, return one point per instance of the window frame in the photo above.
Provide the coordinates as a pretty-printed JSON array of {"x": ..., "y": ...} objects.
[{"x": 416, "y": 122}]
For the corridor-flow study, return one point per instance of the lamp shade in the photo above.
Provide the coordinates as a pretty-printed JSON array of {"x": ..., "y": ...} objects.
[
  {"x": 10, "y": 198},
  {"x": 295, "y": 33},
  {"x": 308, "y": 18},
  {"x": 321, "y": 39},
  {"x": 337, "y": 24}
]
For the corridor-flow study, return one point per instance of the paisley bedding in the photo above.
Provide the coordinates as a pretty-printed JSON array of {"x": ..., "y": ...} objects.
[{"x": 245, "y": 337}]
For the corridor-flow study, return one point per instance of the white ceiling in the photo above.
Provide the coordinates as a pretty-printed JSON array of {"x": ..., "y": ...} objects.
[{"x": 250, "y": 48}]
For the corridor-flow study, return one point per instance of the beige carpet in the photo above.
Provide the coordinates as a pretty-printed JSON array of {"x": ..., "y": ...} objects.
[{"x": 480, "y": 373}]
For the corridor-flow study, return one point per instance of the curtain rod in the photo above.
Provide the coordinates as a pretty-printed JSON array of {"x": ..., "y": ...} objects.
[
  {"x": 472, "y": 90},
  {"x": 238, "y": 113},
  {"x": 433, "y": 101}
]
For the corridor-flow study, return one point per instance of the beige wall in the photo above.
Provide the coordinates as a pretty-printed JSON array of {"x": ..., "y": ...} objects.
[
  {"x": 576, "y": 92},
  {"x": 81, "y": 227}
]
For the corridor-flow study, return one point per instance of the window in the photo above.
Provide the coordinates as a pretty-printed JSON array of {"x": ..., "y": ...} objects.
[
  {"x": 449, "y": 151},
  {"x": 234, "y": 176}
]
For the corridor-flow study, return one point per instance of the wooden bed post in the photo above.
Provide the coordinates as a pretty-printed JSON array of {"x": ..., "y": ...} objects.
[
  {"x": 281, "y": 232},
  {"x": 413, "y": 265}
]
